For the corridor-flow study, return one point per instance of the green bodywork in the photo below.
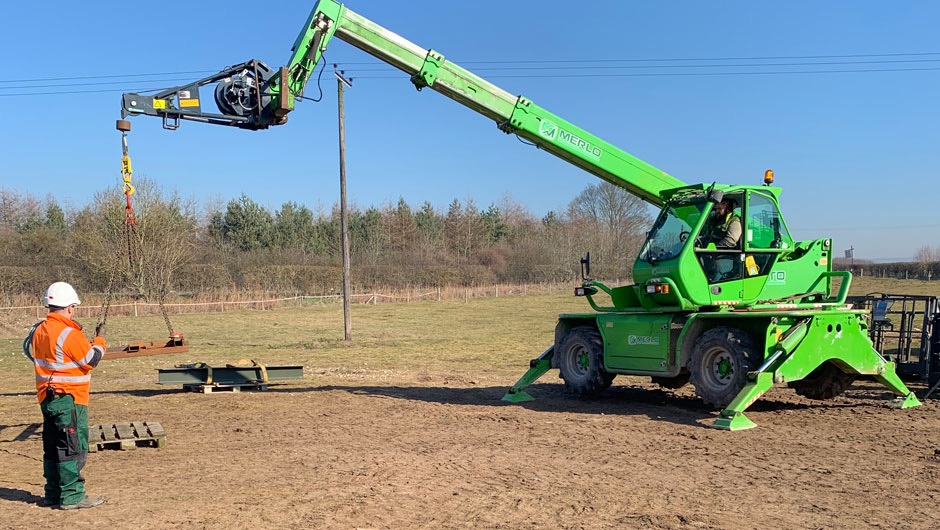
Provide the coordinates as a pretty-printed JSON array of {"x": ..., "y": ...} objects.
[{"x": 773, "y": 290}]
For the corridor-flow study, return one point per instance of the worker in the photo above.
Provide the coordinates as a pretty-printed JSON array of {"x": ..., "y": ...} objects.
[
  {"x": 64, "y": 359},
  {"x": 724, "y": 227}
]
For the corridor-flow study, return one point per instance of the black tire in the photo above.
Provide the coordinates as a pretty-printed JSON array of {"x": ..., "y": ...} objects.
[
  {"x": 580, "y": 358},
  {"x": 825, "y": 382},
  {"x": 720, "y": 361}
]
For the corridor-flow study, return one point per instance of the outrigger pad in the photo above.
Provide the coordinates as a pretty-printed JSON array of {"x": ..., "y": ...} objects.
[{"x": 176, "y": 344}]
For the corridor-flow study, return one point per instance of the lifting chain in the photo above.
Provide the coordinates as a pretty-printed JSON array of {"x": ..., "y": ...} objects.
[
  {"x": 166, "y": 317},
  {"x": 129, "y": 233}
]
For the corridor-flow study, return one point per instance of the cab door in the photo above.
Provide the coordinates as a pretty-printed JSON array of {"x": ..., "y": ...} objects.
[{"x": 765, "y": 237}]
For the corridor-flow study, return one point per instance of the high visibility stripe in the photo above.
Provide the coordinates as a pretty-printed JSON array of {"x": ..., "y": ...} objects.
[
  {"x": 89, "y": 356},
  {"x": 64, "y": 378},
  {"x": 54, "y": 366},
  {"x": 59, "y": 352},
  {"x": 71, "y": 364}
]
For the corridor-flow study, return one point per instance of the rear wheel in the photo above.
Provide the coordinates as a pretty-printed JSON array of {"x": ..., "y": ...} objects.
[
  {"x": 720, "y": 361},
  {"x": 825, "y": 382},
  {"x": 581, "y": 361}
]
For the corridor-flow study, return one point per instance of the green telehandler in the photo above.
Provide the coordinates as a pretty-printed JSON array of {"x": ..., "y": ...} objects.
[{"x": 731, "y": 319}]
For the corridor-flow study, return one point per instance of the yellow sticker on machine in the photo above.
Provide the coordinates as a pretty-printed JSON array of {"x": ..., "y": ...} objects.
[
  {"x": 189, "y": 102},
  {"x": 159, "y": 103}
]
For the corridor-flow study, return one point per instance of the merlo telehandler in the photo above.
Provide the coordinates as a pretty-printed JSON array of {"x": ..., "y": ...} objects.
[{"x": 731, "y": 321}]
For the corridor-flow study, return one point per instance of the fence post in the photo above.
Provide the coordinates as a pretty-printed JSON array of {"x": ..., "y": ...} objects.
[
  {"x": 135, "y": 308},
  {"x": 497, "y": 290}
]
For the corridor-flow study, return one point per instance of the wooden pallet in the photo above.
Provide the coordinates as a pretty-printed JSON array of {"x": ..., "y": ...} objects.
[
  {"x": 125, "y": 436},
  {"x": 225, "y": 387}
]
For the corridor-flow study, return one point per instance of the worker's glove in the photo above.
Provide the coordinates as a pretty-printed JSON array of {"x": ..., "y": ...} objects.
[{"x": 99, "y": 330}]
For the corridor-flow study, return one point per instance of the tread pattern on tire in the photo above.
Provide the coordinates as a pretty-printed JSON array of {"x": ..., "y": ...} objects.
[
  {"x": 740, "y": 345},
  {"x": 595, "y": 379}
]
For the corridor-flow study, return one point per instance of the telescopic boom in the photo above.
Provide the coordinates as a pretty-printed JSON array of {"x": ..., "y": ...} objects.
[{"x": 237, "y": 96}]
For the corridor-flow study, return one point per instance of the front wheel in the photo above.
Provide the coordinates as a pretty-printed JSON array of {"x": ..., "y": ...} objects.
[
  {"x": 580, "y": 357},
  {"x": 720, "y": 361}
]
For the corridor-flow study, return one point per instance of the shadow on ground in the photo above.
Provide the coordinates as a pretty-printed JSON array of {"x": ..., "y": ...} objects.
[
  {"x": 17, "y": 495},
  {"x": 657, "y": 404}
]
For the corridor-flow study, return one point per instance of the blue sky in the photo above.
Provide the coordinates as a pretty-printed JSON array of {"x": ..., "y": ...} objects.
[{"x": 855, "y": 153}]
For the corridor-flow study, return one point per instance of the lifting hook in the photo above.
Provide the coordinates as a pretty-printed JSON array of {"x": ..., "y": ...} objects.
[{"x": 126, "y": 173}]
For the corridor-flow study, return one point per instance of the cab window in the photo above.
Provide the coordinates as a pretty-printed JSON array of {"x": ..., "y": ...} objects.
[{"x": 765, "y": 228}]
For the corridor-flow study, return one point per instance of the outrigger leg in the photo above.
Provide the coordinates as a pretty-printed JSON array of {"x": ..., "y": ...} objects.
[
  {"x": 803, "y": 349},
  {"x": 537, "y": 367}
]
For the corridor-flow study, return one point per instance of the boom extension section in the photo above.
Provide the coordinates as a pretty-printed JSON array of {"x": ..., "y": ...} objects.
[{"x": 251, "y": 95}]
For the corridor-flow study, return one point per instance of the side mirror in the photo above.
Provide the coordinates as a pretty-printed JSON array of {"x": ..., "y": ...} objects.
[{"x": 586, "y": 266}]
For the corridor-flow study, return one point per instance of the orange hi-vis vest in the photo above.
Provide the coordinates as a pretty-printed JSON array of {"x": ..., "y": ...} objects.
[{"x": 64, "y": 358}]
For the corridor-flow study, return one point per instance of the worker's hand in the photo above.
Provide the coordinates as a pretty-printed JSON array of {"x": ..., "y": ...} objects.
[{"x": 99, "y": 330}]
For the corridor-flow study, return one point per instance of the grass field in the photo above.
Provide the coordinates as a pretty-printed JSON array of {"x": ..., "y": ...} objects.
[
  {"x": 484, "y": 336},
  {"x": 480, "y": 336}
]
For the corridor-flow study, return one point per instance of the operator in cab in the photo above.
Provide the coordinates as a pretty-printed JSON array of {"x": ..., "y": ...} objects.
[{"x": 724, "y": 227}]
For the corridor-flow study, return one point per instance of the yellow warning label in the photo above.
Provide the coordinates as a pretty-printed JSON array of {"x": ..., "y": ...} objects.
[
  {"x": 159, "y": 103},
  {"x": 189, "y": 103}
]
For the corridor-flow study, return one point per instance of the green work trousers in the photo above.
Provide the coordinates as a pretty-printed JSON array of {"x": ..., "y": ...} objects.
[{"x": 65, "y": 448}]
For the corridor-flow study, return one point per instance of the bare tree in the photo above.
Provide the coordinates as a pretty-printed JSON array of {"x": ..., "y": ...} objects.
[
  {"x": 614, "y": 221},
  {"x": 144, "y": 259}
]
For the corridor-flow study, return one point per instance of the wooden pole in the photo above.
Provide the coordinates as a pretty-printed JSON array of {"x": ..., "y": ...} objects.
[{"x": 344, "y": 214}]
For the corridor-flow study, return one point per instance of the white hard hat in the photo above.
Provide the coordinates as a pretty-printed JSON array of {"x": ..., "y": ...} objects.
[{"x": 61, "y": 294}]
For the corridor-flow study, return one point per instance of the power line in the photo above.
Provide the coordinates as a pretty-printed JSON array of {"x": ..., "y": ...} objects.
[
  {"x": 70, "y": 92},
  {"x": 582, "y": 69},
  {"x": 584, "y": 63},
  {"x": 675, "y": 74},
  {"x": 59, "y": 85},
  {"x": 108, "y": 76},
  {"x": 591, "y": 67},
  {"x": 674, "y": 59}
]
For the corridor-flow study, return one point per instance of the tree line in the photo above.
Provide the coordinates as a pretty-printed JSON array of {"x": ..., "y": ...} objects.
[{"x": 179, "y": 246}]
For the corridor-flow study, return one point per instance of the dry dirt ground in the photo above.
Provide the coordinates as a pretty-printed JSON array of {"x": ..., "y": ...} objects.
[
  {"x": 391, "y": 450},
  {"x": 369, "y": 441}
]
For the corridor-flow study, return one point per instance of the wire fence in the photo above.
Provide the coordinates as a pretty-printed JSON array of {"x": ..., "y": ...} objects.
[{"x": 261, "y": 301}]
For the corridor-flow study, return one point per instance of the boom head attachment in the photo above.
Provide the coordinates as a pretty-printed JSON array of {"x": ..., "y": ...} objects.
[{"x": 248, "y": 95}]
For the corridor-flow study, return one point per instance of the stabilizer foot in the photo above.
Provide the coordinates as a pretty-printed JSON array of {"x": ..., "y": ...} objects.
[
  {"x": 905, "y": 403},
  {"x": 729, "y": 420},
  {"x": 517, "y": 397},
  {"x": 537, "y": 367},
  {"x": 889, "y": 378}
]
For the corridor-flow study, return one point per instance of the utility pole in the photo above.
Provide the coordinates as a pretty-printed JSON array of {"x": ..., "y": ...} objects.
[{"x": 343, "y": 212}]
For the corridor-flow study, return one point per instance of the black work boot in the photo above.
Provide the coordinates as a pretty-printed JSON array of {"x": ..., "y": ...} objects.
[{"x": 87, "y": 502}]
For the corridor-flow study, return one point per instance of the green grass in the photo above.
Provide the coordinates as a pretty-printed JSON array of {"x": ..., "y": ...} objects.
[
  {"x": 489, "y": 338},
  {"x": 868, "y": 284}
]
